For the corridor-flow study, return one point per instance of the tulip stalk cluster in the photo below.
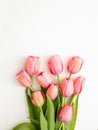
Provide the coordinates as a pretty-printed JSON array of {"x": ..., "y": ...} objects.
[{"x": 54, "y": 106}]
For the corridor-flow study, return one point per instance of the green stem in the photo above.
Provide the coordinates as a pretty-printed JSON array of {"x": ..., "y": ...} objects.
[
  {"x": 69, "y": 76},
  {"x": 60, "y": 126},
  {"x": 41, "y": 109},
  {"x": 58, "y": 76},
  {"x": 72, "y": 99},
  {"x": 63, "y": 101},
  {"x": 31, "y": 88}
]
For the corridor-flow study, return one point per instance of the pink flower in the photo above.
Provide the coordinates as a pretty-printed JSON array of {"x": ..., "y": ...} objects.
[
  {"x": 24, "y": 78},
  {"x": 32, "y": 65},
  {"x": 78, "y": 84},
  {"x": 38, "y": 98},
  {"x": 75, "y": 64},
  {"x": 52, "y": 91},
  {"x": 55, "y": 64},
  {"x": 66, "y": 113},
  {"x": 67, "y": 87},
  {"x": 43, "y": 79}
]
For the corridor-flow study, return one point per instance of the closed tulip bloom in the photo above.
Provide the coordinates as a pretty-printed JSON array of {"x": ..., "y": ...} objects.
[
  {"x": 32, "y": 65},
  {"x": 24, "y": 78},
  {"x": 67, "y": 87},
  {"x": 43, "y": 79},
  {"x": 38, "y": 98},
  {"x": 55, "y": 64},
  {"x": 66, "y": 113},
  {"x": 75, "y": 64},
  {"x": 52, "y": 91},
  {"x": 78, "y": 84}
]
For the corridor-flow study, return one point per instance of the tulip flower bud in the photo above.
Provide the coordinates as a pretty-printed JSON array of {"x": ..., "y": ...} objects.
[
  {"x": 66, "y": 113},
  {"x": 52, "y": 91},
  {"x": 78, "y": 84},
  {"x": 75, "y": 64},
  {"x": 24, "y": 78},
  {"x": 55, "y": 64},
  {"x": 32, "y": 65},
  {"x": 43, "y": 79},
  {"x": 67, "y": 87},
  {"x": 38, "y": 98}
]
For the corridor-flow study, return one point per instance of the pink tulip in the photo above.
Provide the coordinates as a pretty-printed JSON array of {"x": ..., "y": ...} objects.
[
  {"x": 24, "y": 78},
  {"x": 43, "y": 79},
  {"x": 67, "y": 87},
  {"x": 32, "y": 65},
  {"x": 66, "y": 113},
  {"x": 75, "y": 64},
  {"x": 38, "y": 98},
  {"x": 52, "y": 91},
  {"x": 55, "y": 64},
  {"x": 78, "y": 84}
]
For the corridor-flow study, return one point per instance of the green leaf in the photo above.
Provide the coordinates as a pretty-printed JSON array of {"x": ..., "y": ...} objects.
[
  {"x": 50, "y": 114},
  {"x": 43, "y": 122},
  {"x": 33, "y": 110},
  {"x": 71, "y": 125},
  {"x": 24, "y": 126}
]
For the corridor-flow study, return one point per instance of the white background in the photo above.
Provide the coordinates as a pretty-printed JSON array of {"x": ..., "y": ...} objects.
[{"x": 44, "y": 28}]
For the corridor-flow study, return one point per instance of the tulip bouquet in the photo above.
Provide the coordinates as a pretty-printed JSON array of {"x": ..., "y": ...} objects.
[{"x": 54, "y": 105}]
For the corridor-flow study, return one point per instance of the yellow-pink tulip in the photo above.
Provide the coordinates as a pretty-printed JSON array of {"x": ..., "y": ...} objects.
[
  {"x": 38, "y": 98},
  {"x": 24, "y": 78},
  {"x": 75, "y": 64},
  {"x": 52, "y": 91}
]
